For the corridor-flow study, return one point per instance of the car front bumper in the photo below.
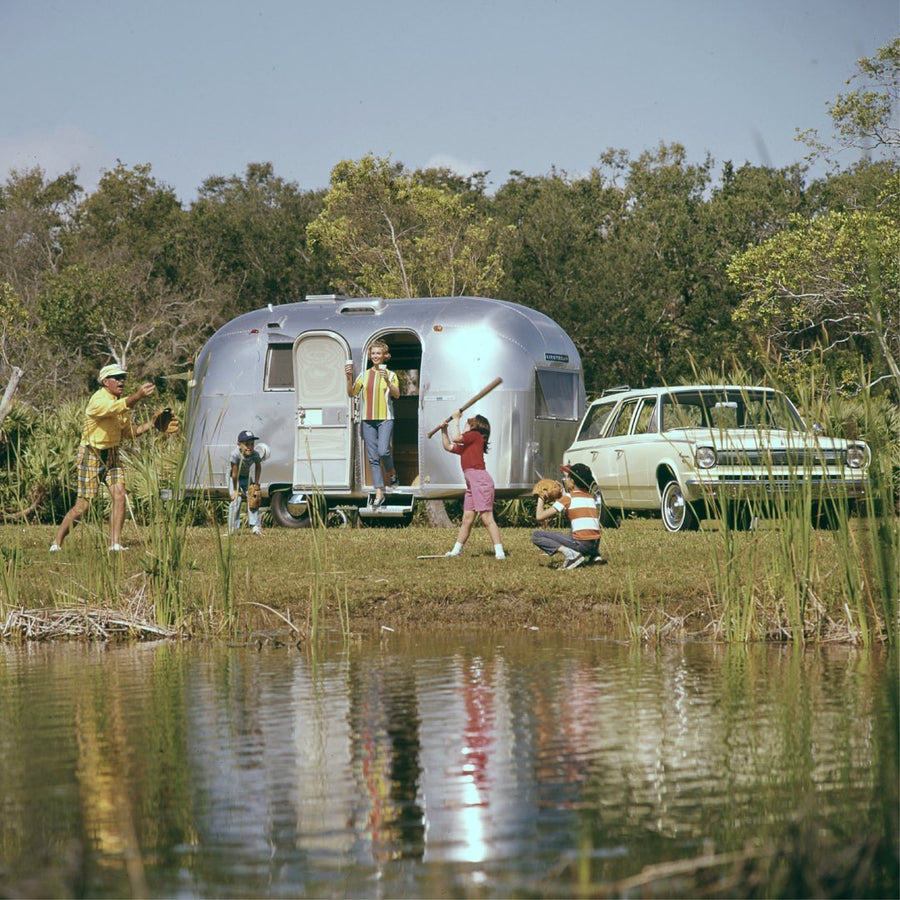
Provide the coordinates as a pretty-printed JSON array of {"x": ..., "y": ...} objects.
[{"x": 747, "y": 488}]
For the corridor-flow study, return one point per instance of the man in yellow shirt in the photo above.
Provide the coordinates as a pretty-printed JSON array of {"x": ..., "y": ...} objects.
[{"x": 107, "y": 421}]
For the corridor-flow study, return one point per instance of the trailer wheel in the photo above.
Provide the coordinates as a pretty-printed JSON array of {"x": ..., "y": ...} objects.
[
  {"x": 287, "y": 514},
  {"x": 336, "y": 518}
]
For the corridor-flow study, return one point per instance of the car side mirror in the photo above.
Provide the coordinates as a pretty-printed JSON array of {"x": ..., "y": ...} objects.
[{"x": 818, "y": 430}]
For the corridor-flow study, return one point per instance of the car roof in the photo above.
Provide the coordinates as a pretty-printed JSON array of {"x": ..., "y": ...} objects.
[{"x": 616, "y": 394}]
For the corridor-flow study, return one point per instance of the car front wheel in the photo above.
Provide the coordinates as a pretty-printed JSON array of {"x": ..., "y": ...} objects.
[{"x": 677, "y": 513}]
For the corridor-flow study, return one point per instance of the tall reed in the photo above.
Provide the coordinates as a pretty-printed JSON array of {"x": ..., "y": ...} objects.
[
  {"x": 10, "y": 564},
  {"x": 158, "y": 470}
]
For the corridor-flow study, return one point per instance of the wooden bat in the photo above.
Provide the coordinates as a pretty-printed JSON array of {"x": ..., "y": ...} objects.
[{"x": 483, "y": 392}]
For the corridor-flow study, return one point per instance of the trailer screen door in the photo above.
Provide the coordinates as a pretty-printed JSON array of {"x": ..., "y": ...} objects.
[{"x": 322, "y": 447}]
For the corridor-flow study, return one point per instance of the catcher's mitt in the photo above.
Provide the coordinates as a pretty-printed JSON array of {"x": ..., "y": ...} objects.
[
  {"x": 548, "y": 489},
  {"x": 254, "y": 496},
  {"x": 165, "y": 422}
]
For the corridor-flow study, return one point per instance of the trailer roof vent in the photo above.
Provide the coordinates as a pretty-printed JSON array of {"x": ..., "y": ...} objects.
[
  {"x": 325, "y": 298},
  {"x": 363, "y": 307},
  {"x": 276, "y": 323}
]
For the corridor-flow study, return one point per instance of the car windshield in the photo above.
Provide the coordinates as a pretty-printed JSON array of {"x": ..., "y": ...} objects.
[{"x": 729, "y": 408}]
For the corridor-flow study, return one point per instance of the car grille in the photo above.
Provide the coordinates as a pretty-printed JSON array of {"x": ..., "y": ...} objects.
[{"x": 777, "y": 458}]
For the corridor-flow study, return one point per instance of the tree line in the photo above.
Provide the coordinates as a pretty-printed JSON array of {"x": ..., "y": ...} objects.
[{"x": 658, "y": 267}]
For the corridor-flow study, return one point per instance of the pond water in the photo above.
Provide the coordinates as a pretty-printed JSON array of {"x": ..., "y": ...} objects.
[{"x": 525, "y": 764}]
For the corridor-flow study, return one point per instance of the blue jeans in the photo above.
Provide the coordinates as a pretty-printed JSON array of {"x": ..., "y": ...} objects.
[
  {"x": 234, "y": 510},
  {"x": 551, "y": 541},
  {"x": 377, "y": 435}
]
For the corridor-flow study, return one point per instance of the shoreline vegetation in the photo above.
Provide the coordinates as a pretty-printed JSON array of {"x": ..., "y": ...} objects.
[{"x": 779, "y": 583}]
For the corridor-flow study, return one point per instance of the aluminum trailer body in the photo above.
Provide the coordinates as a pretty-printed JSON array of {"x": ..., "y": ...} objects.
[{"x": 279, "y": 372}]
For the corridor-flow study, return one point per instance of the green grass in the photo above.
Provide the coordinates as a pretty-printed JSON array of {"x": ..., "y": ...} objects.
[{"x": 656, "y": 585}]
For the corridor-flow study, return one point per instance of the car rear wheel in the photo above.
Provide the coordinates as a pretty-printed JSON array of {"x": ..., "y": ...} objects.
[
  {"x": 738, "y": 516},
  {"x": 828, "y": 514},
  {"x": 677, "y": 513}
]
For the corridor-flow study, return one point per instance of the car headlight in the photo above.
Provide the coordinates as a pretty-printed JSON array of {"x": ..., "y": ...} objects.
[
  {"x": 856, "y": 456},
  {"x": 705, "y": 457}
]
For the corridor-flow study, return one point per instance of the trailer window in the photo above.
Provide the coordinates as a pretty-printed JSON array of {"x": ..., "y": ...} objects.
[
  {"x": 556, "y": 394},
  {"x": 279, "y": 368}
]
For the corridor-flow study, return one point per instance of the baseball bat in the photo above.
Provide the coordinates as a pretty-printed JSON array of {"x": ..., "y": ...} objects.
[{"x": 483, "y": 392}]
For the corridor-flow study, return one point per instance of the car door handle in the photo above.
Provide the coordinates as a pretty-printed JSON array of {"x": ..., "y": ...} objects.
[{"x": 619, "y": 452}]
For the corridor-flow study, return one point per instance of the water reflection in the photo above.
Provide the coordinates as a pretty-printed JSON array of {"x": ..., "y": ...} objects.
[{"x": 487, "y": 765}]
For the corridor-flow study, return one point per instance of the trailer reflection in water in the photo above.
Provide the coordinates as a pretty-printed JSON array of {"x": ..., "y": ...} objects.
[{"x": 520, "y": 764}]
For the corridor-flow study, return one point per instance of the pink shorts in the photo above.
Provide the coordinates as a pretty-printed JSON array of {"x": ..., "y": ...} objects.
[{"x": 479, "y": 491}]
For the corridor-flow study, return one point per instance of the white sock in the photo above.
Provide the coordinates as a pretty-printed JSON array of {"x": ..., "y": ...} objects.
[
  {"x": 457, "y": 549},
  {"x": 498, "y": 551},
  {"x": 568, "y": 552}
]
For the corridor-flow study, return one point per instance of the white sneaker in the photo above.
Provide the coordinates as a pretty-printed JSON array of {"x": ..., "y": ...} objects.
[
  {"x": 55, "y": 548},
  {"x": 117, "y": 548},
  {"x": 499, "y": 556},
  {"x": 257, "y": 531},
  {"x": 451, "y": 553}
]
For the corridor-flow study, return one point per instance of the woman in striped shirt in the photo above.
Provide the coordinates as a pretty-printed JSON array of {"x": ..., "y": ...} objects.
[{"x": 379, "y": 387}]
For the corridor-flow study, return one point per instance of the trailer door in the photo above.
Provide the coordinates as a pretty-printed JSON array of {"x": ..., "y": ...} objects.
[{"x": 322, "y": 449}]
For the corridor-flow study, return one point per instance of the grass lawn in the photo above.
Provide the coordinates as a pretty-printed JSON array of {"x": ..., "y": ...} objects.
[{"x": 654, "y": 585}]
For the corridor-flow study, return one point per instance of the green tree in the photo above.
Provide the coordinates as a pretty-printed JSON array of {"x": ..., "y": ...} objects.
[
  {"x": 827, "y": 289},
  {"x": 395, "y": 233},
  {"x": 14, "y": 338},
  {"x": 36, "y": 214},
  {"x": 248, "y": 240},
  {"x": 125, "y": 290},
  {"x": 865, "y": 118},
  {"x": 631, "y": 259}
]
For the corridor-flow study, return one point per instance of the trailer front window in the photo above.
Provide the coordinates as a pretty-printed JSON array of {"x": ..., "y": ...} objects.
[{"x": 556, "y": 394}]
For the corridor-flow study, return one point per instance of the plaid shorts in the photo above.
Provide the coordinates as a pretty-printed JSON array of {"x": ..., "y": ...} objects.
[{"x": 92, "y": 470}]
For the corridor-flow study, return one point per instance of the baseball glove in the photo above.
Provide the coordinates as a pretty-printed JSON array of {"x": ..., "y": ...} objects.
[
  {"x": 254, "y": 496},
  {"x": 548, "y": 489},
  {"x": 165, "y": 422}
]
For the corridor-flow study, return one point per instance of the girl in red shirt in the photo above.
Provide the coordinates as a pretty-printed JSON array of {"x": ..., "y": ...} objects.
[{"x": 471, "y": 444}]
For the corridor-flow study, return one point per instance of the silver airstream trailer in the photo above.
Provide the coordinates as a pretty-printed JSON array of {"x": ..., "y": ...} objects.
[{"x": 280, "y": 372}]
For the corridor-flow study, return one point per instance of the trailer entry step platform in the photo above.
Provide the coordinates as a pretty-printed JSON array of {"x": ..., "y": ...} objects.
[{"x": 395, "y": 506}]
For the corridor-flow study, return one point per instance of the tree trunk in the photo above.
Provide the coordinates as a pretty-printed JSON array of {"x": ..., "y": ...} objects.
[
  {"x": 436, "y": 514},
  {"x": 13, "y": 384}
]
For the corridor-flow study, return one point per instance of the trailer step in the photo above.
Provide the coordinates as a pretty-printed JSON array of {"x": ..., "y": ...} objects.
[{"x": 395, "y": 506}]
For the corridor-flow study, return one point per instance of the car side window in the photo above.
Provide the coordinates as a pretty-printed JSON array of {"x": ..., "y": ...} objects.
[
  {"x": 645, "y": 421},
  {"x": 596, "y": 420},
  {"x": 624, "y": 419}
]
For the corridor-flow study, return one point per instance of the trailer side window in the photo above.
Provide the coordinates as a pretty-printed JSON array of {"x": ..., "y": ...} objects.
[
  {"x": 556, "y": 394},
  {"x": 279, "y": 368}
]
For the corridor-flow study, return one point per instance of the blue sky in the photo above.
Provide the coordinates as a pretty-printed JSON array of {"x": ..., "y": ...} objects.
[{"x": 203, "y": 88}]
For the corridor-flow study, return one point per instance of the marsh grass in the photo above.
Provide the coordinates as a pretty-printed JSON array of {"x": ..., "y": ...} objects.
[
  {"x": 10, "y": 564},
  {"x": 770, "y": 581}
]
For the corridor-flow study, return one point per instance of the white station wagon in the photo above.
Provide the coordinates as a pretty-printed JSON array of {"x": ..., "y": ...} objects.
[{"x": 694, "y": 451}]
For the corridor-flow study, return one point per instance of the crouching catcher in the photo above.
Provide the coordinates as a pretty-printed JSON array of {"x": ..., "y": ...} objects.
[{"x": 580, "y": 506}]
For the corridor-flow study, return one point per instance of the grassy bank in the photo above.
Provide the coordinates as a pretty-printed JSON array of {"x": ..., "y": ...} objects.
[{"x": 708, "y": 585}]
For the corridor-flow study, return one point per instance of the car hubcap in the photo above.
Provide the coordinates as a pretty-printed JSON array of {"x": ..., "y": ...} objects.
[{"x": 674, "y": 508}]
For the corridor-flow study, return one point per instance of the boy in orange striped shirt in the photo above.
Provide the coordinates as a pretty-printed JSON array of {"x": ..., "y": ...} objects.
[{"x": 580, "y": 507}]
